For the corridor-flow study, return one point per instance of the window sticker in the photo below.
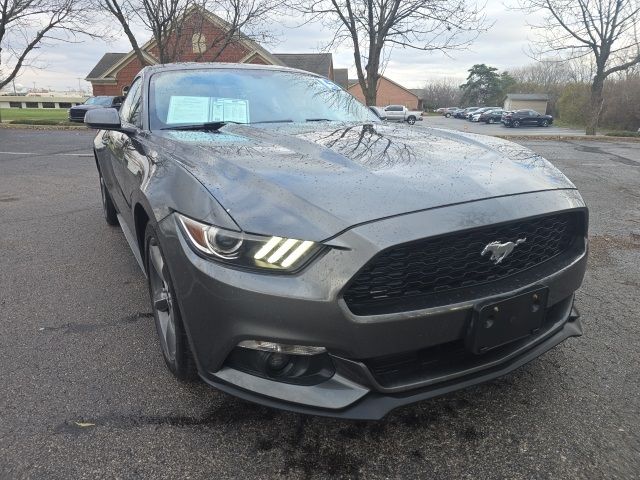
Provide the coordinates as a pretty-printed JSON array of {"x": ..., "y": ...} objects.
[
  {"x": 229, "y": 110},
  {"x": 188, "y": 110},
  {"x": 183, "y": 109}
]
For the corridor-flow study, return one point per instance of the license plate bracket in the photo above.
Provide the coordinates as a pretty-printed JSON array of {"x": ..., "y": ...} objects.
[{"x": 505, "y": 321}]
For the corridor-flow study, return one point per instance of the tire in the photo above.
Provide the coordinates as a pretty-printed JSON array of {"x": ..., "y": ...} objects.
[
  {"x": 447, "y": 115},
  {"x": 110, "y": 213},
  {"x": 491, "y": 121},
  {"x": 545, "y": 123},
  {"x": 516, "y": 123},
  {"x": 411, "y": 120},
  {"x": 174, "y": 343}
]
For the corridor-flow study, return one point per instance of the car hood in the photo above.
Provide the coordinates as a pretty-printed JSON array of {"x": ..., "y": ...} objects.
[
  {"x": 313, "y": 181},
  {"x": 87, "y": 107}
]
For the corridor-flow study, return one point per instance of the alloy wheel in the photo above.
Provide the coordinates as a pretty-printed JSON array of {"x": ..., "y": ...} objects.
[{"x": 162, "y": 302}]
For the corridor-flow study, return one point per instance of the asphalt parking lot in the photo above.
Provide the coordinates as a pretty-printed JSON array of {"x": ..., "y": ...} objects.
[
  {"x": 84, "y": 392},
  {"x": 495, "y": 129}
]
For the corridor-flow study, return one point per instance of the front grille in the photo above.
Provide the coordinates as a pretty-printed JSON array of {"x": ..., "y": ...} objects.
[
  {"x": 77, "y": 115},
  {"x": 440, "y": 360},
  {"x": 454, "y": 261}
]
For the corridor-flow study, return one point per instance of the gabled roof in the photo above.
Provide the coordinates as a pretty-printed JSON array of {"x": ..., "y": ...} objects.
[
  {"x": 341, "y": 77},
  {"x": 124, "y": 58},
  {"x": 107, "y": 61},
  {"x": 354, "y": 81},
  {"x": 527, "y": 96},
  {"x": 319, "y": 63}
]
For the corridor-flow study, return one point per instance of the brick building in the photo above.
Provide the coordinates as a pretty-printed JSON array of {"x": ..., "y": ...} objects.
[
  {"x": 196, "y": 43},
  {"x": 199, "y": 30},
  {"x": 389, "y": 93}
]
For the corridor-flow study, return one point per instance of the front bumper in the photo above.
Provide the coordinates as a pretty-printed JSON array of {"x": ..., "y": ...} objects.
[{"x": 222, "y": 307}]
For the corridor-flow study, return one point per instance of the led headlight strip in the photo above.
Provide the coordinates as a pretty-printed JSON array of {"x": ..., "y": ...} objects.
[
  {"x": 247, "y": 250},
  {"x": 286, "y": 249}
]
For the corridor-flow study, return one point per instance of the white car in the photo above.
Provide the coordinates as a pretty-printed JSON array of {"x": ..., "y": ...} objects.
[{"x": 400, "y": 113}]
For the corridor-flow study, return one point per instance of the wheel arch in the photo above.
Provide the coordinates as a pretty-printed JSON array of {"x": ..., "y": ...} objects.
[{"x": 140, "y": 220}]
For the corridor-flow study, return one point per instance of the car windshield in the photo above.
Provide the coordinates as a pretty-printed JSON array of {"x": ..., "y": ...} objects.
[
  {"x": 195, "y": 97},
  {"x": 103, "y": 101}
]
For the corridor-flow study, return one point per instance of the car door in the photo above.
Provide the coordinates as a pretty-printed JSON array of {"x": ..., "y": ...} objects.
[
  {"x": 394, "y": 112},
  {"x": 530, "y": 118},
  {"x": 122, "y": 150}
]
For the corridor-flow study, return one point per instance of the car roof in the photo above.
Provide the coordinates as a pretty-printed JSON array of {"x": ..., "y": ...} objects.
[{"x": 180, "y": 66}]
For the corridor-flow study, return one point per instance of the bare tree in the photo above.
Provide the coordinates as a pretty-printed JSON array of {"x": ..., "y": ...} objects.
[
  {"x": 241, "y": 19},
  {"x": 372, "y": 28},
  {"x": 123, "y": 12},
  {"x": 605, "y": 31},
  {"x": 26, "y": 25},
  {"x": 441, "y": 93}
]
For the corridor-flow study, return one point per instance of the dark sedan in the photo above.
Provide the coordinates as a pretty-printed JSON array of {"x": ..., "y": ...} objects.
[
  {"x": 77, "y": 113},
  {"x": 492, "y": 116},
  {"x": 464, "y": 113},
  {"x": 526, "y": 118},
  {"x": 304, "y": 255}
]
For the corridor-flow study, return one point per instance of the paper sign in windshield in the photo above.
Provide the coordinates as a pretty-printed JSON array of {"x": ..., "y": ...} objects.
[
  {"x": 195, "y": 110},
  {"x": 189, "y": 110}
]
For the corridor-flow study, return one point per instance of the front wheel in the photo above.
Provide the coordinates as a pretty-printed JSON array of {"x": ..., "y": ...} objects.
[
  {"x": 545, "y": 123},
  {"x": 516, "y": 124},
  {"x": 166, "y": 313},
  {"x": 411, "y": 120},
  {"x": 448, "y": 115}
]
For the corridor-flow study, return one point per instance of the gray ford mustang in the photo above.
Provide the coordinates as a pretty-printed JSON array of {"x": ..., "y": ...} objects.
[{"x": 304, "y": 255}]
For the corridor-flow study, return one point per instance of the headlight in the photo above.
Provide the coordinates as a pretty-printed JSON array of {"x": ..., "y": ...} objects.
[{"x": 245, "y": 250}]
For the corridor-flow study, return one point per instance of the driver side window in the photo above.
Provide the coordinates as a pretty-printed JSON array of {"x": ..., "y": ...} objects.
[{"x": 130, "y": 109}]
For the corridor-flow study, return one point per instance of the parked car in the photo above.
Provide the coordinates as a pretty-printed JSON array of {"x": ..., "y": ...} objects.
[
  {"x": 77, "y": 113},
  {"x": 378, "y": 112},
  {"x": 448, "y": 112},
  {"x": 475, "y": 115},
  {"x": 492, "y": 116},
  {"x": 526, "y": 118},
  {"x": 465, "y": 112},
  {"x": 301, "y": 254},
  {"x": 400, "y": 113},
  {"x": 440, "y": 110}
]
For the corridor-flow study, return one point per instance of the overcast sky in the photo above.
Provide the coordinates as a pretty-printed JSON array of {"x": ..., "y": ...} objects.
[{"x": 503, "y": 46}]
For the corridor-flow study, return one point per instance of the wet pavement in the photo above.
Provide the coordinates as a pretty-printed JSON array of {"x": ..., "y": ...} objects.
[{"x": 84, "y": 392}]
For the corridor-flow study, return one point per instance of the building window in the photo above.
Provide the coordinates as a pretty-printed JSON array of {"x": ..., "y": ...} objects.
[
  {"x": 199, "y": 43},
  {"x": 15, "y": 104},
  {"x": 48, "y": 105},
  {"x": 64, "y": 105},
  {"x": 31, "y": 104}
]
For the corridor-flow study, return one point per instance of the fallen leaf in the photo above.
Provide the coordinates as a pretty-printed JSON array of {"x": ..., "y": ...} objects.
[{"x": 85, "y": 424}]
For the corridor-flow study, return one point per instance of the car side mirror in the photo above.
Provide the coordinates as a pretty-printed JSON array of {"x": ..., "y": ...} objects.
[{"x": 105, "y": 119}]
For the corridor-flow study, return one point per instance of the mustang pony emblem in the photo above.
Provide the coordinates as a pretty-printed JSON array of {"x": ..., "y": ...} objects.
[{"x": 499, "y": 251}]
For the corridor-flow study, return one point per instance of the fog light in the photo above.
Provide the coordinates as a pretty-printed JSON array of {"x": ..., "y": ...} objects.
[
  {"x": 277, "y": 361},
  {"x": 281, "y": 348}
]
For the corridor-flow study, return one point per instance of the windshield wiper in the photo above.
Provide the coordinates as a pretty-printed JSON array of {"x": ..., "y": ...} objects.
[
  {"x": 318, "y": 120},
  {"x": 201, "y": 126}
]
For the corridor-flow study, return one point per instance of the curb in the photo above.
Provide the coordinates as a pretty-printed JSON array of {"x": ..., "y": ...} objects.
[
  {"x": 564, "y": 138},
  {"x": 18, "y": 126}
]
